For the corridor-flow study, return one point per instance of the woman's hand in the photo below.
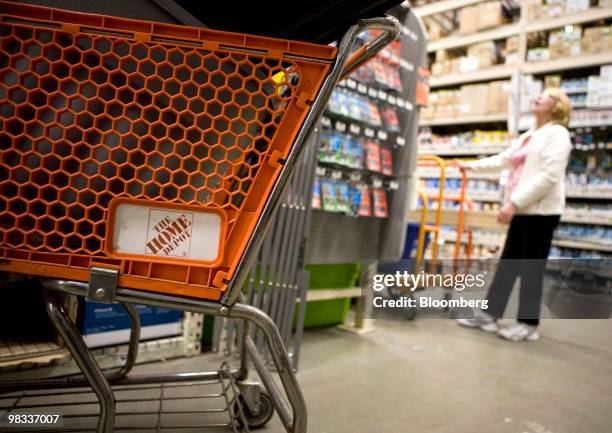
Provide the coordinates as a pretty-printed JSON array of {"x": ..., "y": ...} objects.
[
  {"x": 461, "y": 165},
  {"x": 506, "y": 213}
]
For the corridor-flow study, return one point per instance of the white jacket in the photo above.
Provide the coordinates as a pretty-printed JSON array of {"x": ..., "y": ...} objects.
[{"x": 541, "y": 187}]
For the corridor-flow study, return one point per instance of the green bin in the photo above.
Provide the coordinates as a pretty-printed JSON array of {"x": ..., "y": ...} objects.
[{"x": 336, "y": 276}]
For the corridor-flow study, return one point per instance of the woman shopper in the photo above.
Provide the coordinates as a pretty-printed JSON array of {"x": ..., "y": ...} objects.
[{"x": 534, "y": 198}]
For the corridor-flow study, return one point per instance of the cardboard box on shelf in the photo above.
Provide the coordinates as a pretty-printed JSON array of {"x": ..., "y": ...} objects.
[
  {"x": 573, "y": 6},
  {"x": 468, "y": 64},
  {"x": 497, "y": 98},
  {"x": 485, "y": 54},
  {"x": 427, "y": 113},
  {"x": 442, "y": 55},
  {"x": 565, "y": 42},
  {"x": 455, "y": 65},
  {"x": 472, "y": 99},
  {"x": 445, "y": 111},
  {"x": 511, "y": 45},
  {"x": 468, "y": 20},
  {"x": 435, "y": 30},
  {"x": 552, "y": 81},
  {"x": 532, "y": 9},
  {"x": 538, "y": 54},
  {"x": 512, "y": 59},
  {"x": 554, "y": 8},
  {"x": 595, "y": 40},
  {"x": 437, "y": 69},
  {"x": 490, "y": 14}
]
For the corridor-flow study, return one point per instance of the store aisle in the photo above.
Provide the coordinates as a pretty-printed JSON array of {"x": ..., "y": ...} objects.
[{"x": 430, "y": 375}]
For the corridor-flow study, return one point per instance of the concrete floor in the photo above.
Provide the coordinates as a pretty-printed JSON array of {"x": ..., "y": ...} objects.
[{"x": 434, "y": 376}]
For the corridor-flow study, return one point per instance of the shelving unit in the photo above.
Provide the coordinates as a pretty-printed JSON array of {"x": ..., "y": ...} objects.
[
  {"x": 497, "y": 72},
  {"x": 514, "y": 71},
  {"x": 464, "y": 120},
  {"x": 472, "y": 150}
]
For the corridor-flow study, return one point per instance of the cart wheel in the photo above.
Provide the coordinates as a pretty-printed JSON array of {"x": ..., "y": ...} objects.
[
  {"x": 410, "y": 313},
  {"x": 447, "y": 297},
  {"x": 266, "y": 410}
]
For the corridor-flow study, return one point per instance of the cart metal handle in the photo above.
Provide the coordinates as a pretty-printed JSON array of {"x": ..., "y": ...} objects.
[
  {"x": 344, "y": 64},
  {"x": 391, "y": 30}
]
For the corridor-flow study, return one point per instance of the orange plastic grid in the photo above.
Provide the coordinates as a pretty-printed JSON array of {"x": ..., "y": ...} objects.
[{"x": 96, "y": 108}]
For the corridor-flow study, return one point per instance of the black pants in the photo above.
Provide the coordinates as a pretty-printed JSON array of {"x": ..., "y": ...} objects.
[{"x": 525, "y": 253}]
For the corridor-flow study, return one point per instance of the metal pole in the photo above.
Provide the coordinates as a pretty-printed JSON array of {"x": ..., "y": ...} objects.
[{"x": 91, "y": 370}]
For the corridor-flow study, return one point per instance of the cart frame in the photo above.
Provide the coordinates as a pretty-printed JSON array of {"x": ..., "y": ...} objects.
[{"x": 293, "y": 413}]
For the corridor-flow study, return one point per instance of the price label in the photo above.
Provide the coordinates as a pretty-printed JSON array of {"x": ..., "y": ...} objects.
[
  {"x": 362, "y": 88},
  {"x": 355, "y": 176},
  {"x": 401, "y": 103},
  {"x": 409, "y": 106},
  {"x": 369, "y": 132},
  {"x": 401, "y": 141},
  {"x": 354, "y": 129},
  {"x": 393, "y": 184},
  {"x": 342, "y": 83},
  {"x": 320, "y": 171},
  {"x": 372, "y": 92},
  {"x": 382, "y": 95},
  {"x": 382, "y": 135},
  {"x": 377, "y": 183},
  {"x": 392, "y": 100},
  {"x": 340, "y": 126},
  {"x": 350, "y": 83},
  {"x": 325, "y": 121},
  {"x": 336, "y": 174},
  {"x": 406, "y": 65}
]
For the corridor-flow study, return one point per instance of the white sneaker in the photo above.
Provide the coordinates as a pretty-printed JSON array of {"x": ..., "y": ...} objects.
[
  {"x": 519, "y": 332},
  {"x": 481, "y": 320}
]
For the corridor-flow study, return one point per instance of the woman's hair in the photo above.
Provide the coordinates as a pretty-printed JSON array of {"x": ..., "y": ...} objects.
[{"x": 563, "y": 108}]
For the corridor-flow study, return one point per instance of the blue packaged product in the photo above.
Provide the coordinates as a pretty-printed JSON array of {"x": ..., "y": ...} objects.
[{"x": 355, "y": 199}]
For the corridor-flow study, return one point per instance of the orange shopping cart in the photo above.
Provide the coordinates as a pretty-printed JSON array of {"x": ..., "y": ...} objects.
[{"x": 140, "y": 162}]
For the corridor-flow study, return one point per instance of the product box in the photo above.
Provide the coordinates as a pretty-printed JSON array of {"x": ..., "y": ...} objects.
[
  {"x": 372, "y": 150},
  {"x": 109, "y": 324},
  {"x": 390, "y": 118},
  {"x": 552, "y": 81},
  {"x": 473, "y": 99},
  {"x": 595, "y": 40},
  {"x": 386, "y": 159},
  {"x": 354, "y": 199},
  {"x": 343, "y": 198},
  {"x": 573, "y": 6},
  {"x": 437, "y": 69},
  {"x": 538, "y": 54},
  {"x": 532, "y": 9},
  {"x": 380, "y": 203},
  {"x": 511, "y": 45},
  {"x": 485, "y": 54},
  {"x": 468, "y": 20},
  {"x": 316, "y": 194},
  {"x": 365, "y": 206},
  {"x": 442, "y": 55},
  {"x": 497, "y": 98},
  {"x": 490, "y": 14},
  {"x": 328, "y": 194}
]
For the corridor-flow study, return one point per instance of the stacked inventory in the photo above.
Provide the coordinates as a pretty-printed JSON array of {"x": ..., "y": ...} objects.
[{"x": 488, "y": 60}]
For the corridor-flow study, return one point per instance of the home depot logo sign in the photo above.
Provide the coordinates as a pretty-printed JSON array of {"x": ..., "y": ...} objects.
[{"x": 169, "y": 233}]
